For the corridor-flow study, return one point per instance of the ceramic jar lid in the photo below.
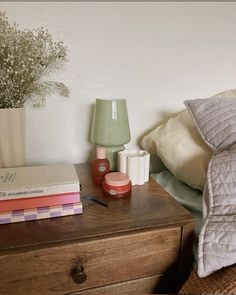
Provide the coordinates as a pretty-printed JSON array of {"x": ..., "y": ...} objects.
[{"x": 116, "y": 179}]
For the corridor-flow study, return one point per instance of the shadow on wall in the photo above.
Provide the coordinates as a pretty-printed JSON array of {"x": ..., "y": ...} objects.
[
  {"x": 92, "y": 151},
  {"x": 156, "y": 165},
  {"x": 164, "y": 117}
]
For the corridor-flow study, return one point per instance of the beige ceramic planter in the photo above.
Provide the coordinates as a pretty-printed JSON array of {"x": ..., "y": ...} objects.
[{"x": 12, "y": 137}]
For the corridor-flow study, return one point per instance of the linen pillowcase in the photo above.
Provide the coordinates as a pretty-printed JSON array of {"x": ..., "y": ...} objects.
[
  {"x": 181, "y": 148},
  {"x": 216, "y": 122}
]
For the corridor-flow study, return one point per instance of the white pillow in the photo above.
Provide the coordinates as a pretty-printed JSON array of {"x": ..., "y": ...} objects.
[{"x": 181, "y": 148}]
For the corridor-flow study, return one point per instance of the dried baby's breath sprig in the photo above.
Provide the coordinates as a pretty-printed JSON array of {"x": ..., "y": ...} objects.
[{"x": 26, "y": 56}]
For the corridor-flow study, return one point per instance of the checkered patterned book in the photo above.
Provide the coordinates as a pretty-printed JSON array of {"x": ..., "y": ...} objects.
[{"x": 40, "y": 213}]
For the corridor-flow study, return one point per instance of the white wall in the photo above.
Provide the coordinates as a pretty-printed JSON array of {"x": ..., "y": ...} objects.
[{"x": 154, "y": 54}]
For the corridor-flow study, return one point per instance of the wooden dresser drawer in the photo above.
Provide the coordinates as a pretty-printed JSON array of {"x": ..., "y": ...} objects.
[
  {"x": 105, "y": 261},
  {"x": 146, "y": 285}
]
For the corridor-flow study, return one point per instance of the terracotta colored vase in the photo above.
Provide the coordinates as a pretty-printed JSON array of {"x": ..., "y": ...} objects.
[{"x": 12, "y": 137}]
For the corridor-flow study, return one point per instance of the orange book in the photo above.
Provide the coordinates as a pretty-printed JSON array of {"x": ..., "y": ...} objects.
[{"x": 36, "y": 202}]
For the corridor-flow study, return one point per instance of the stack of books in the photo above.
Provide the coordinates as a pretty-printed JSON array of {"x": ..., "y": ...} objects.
[{"x": 38, "y": 192}]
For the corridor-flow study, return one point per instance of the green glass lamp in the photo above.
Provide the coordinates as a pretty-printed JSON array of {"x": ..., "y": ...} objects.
[{"x": 111, "y": 127}]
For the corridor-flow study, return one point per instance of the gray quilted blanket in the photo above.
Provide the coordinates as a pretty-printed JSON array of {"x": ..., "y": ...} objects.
[{"x": 215, "y": 119}]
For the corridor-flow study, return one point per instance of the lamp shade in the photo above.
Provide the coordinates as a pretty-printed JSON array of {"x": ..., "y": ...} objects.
[{"x": 110, "y": 123}]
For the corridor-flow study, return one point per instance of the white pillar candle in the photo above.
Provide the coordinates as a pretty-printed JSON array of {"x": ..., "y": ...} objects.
[{"x": 135, "y": 163}]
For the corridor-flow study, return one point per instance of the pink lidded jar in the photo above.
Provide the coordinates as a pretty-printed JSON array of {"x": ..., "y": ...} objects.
[{"x": 117, "y": 184}]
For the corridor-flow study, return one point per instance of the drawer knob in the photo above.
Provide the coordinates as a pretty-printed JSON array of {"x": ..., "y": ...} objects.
[{"x": 78, "y": 274}]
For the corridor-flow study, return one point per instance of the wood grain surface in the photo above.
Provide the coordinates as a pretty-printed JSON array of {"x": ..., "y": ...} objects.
[
  {"x": 105, "y": 261},
  {"x": 148, "y": 207},
  {"x": 134, "y": 244},
  {"x": 148, "y": 285}
]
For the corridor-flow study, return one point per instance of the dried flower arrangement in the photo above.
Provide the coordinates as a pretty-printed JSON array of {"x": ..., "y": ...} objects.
[{"x": 26, "y": 56}]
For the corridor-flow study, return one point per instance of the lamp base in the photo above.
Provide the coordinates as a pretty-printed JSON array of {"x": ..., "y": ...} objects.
[{"x": 112, "y": 156}]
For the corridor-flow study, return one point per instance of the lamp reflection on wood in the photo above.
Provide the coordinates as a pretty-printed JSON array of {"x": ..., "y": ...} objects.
[{"x": 111, "y": 127}]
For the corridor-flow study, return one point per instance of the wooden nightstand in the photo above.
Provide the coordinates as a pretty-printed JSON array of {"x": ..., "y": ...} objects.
[{"x": 135, "y": 245}]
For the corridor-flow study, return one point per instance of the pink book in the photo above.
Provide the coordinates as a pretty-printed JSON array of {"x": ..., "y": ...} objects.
[{"x": 36, "y": 202}]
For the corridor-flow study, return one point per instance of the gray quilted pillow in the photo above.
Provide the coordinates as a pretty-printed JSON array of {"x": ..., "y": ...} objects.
[{"x": 215, "y": 119}]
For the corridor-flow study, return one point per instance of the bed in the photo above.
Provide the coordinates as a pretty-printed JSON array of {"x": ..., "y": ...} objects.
[
  {"x": 183, "y": 145},
  {"x": 221, "y": 282}
]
